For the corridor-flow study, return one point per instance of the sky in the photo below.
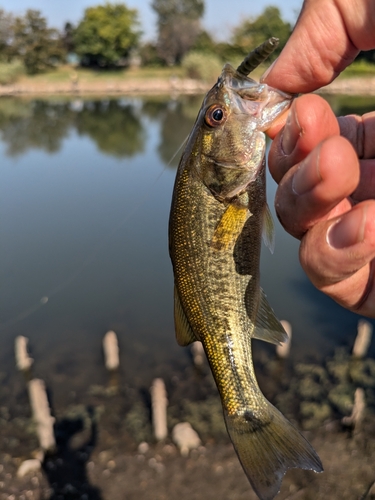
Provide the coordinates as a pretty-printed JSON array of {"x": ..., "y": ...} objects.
[{"x": 220, "y": 16}]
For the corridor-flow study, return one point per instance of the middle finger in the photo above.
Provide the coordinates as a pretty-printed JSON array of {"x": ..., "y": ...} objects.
[{"x": 318, "y": 187}]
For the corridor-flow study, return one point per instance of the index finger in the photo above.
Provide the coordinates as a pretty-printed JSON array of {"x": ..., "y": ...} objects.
[{"x": 326, "y": 39}]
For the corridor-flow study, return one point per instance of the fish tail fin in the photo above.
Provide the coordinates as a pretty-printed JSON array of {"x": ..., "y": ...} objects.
[{"x": 268, "y": 447}]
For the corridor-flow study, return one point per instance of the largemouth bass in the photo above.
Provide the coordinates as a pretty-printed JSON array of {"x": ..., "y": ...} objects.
[{"x": 217, "y": 217}]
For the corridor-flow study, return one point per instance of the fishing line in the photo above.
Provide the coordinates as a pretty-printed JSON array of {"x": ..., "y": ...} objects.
[{"x": 92, "y": 256}]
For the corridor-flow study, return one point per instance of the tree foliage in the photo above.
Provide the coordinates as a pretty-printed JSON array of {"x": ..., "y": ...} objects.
[
  {"x": 178, "y": 27},
  {"x": 67, "y": 37},
  {"x": 106, "y": 34},
  {"x": 6, "y": 35},
  {"x": 34, "y": 43},
  {"x": 252, "y": 32}
]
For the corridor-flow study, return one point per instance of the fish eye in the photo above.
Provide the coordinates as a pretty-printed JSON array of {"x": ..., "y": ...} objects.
[{"x": 215, "y": 115}]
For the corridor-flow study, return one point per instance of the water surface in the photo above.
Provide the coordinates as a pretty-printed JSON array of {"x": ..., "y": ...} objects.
[{"x": 85, "y": 189}]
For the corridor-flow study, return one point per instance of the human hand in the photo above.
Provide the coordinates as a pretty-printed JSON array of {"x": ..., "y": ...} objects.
[{"x": 325, "y": 167}]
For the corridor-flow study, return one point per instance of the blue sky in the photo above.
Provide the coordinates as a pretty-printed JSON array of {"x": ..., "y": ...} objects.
[{"x": 220, "y": 15}]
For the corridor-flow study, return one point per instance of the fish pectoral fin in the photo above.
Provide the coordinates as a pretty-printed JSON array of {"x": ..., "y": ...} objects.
[
  {"x": 229, "y": 227},
  {"x": 267, "y": 326},
  {"x": 184, "y": 332},
  {"x": 268, "y": 229}
]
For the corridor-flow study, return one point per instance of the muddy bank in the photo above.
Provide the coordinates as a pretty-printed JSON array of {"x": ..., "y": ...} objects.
[
  {"x": 360, "y": 86},
  {"x": 139, "y": 87},
  {"x": 349, "y": 86},
  {"x": 108, "y": 472},
  {"x": 98, "y": 455},
  {"x": 211, "y": 473}
]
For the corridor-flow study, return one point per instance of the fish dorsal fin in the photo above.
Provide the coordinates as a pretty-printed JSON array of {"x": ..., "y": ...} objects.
[
  {"x": 184, "y": 332},
  {"x": 268, "y": 229},
  {"x": 267, "y": 326},
  {"x": 229, "y": 227}
]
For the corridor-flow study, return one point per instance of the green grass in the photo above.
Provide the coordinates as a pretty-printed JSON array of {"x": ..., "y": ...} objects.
[
  {"x": 10, "y": 72},
  {"x": 359, "y": 68},
  {"x": 67, "y": 73}
]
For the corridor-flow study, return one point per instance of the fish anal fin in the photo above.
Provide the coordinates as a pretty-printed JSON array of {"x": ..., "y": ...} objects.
[
  {"x": 267, "y": 326},
  {"x": 267, "y": 447},
  {"x": 184, "y": 332},
  {"x": 229, "y": 227},
  {"x": 268, "y": 229}
]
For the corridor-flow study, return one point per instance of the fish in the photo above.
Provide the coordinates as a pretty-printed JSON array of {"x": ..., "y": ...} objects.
[{"x": 218, "y": 215}]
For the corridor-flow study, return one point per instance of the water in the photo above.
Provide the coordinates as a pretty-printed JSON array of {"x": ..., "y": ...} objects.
[{"x": 85, "y": 189}]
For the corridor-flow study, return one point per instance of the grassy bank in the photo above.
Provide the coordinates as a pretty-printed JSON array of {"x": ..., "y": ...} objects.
[{"x": 358, "y": 79}]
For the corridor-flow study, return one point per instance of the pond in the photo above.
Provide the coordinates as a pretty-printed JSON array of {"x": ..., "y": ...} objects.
[{"x": 85, "y": 190}]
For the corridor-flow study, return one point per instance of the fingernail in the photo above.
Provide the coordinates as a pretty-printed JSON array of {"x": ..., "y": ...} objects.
[
  {"x": 291, "y": 132},
  {"x": 307, "y": 175},
  {"x": 267, "y": 72},
  {"x": 349, "y": 230}
]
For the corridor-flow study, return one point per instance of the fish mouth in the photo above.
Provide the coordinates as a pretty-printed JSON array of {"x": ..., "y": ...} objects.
[{"x": 258, "y": 100}]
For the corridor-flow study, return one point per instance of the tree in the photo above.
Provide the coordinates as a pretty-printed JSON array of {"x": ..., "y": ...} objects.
[
  {"x": 6, "y": 35},
  {"x": 106, "y": 34},
  {"x": 178, "y": 27},
  {"x": 253, "y": 32},
  {"x": 67, "y": 38},
  {"x": 37, "y": 45}
]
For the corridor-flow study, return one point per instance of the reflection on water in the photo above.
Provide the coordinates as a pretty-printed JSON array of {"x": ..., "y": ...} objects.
[{"x": 84, "y": 198}]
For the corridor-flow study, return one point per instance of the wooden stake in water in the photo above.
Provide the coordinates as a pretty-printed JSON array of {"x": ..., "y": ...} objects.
[
  {"x": 23, "y": 360},
  {"x": 41, "y": 414},
  {"x": 111, "y": 351},
  {"x": 363, "y": 339},
  {"x": 198, "y": 353},
  {"x": 358, "y": 411},
  {"x": 159, "y": 409}
]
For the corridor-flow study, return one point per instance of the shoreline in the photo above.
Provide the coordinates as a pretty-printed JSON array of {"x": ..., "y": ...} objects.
[
  {"x": 110, "y": 87},
  {"x": 360, "y": 86}
]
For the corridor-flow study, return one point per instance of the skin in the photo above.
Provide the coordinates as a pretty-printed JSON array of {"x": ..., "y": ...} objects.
[{"x": 325, "y": 167}]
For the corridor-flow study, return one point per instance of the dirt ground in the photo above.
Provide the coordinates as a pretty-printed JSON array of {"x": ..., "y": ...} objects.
[
  {"x": 211, "y": 472},
  {"x": 349, "y": 86},
  {"x": 98, "y": 455}
]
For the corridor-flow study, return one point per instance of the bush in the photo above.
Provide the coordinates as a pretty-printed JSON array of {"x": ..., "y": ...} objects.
[
  {"x": 149, "y": 55},
  {"x": 360, "y": 68},
  {"x": 10, "y": 72},
  {"x": 202, "y": 66}
]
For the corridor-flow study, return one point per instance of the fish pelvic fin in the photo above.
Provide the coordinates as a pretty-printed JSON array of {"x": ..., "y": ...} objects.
[
  {"x": 267, "y": 447},
  {"x": 184, "y": 332}
]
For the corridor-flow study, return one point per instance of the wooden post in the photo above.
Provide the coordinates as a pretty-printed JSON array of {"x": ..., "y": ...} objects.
[
  {"x": 159, "y": 409},
  {"x": 358, "y": 411},
  {"x": 198, "y": 353},
  {"x": 23, "y": 360},
  {"x": 111, "y": 351},
  {"x": 41, "y": 414},
  {"x": 363, "y": 339}
]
